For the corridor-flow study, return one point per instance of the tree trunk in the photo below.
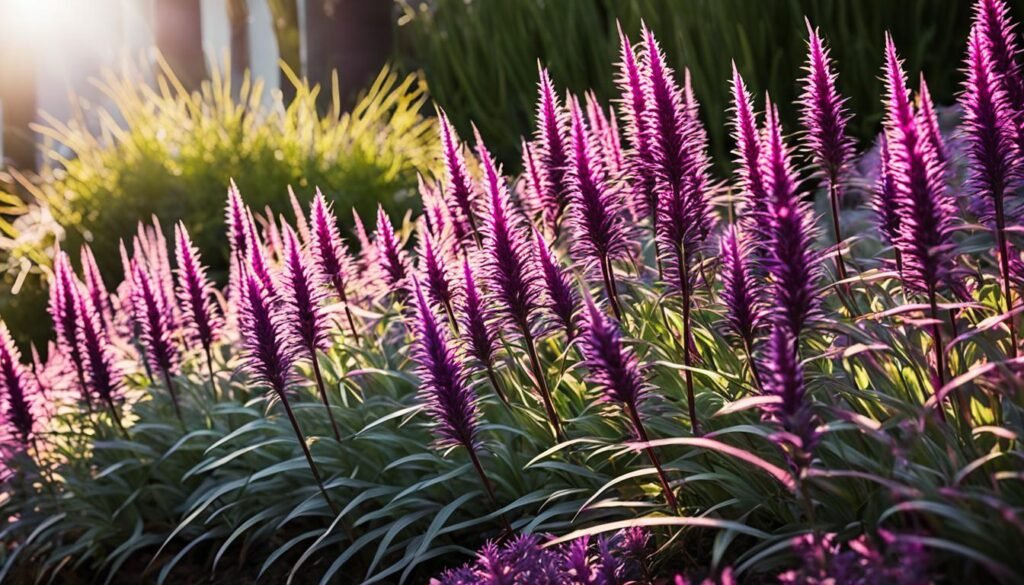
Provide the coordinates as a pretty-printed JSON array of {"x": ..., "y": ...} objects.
[
  {"x": 179, "y": 37},
  {"x": 350, "y": 36},
  {"x": 285, "y": 14}
]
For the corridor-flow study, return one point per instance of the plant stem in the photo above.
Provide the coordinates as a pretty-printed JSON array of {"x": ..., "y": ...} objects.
[
  {"x": 938, "y": 376},
  {"x": 494, "y": 384},
  {"x": 487, "y": 484},
  {"x": 609, "y": 287},
  {"x": 323, "y": 392},
  {"x": 1004, "y": 268},
  {"x": 684, "y": 285},
  {"x": 305, "y": 451},
  {"x": 638, "y": 426},
  {"x": 542, "y": 385},
  {"x": 752, "y": 364},
  {"x": 113, "y": 415},
  {"x": 833, "y": 197},
  {"x": 174, "y": 395},
  {"x": 209, "y": 370},
  {"x": 339, "y": 285}
]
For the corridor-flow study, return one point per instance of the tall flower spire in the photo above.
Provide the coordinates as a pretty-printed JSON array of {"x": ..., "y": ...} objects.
[
  {"x": 155, "y": 330},
  {"x": 824, "y": 120},
  {"x": 458, "y": 189},
  {"x": 195, "y": 291},
  {"x": 552, "y": 140},
  {"x": 94, "y": 285},
  {"x": 595, "y": 207},
  {"x": 615, "y": 369},
  {"x": 992, "y": 19},
  {"x": 479, "y": 337},
  {"x": 926, "y": 207},
  {"x": 560, "y": 297},
  {"x": 393, "y": 258},
  {"x": 331, "y": 254},
  {"x": 102, "y": 375},
  {"x": 633, "y": 110},
  {"x": 993, "y": 158},
  {"x": 748, "y": 154},
  {"x": 784, "y": 379},
  {"x": 64, "y": 289},
  {"x": 269, "y": 353},
  {"x": 19, "y": 395},
  {"x": 433, "y": 266},
  {"x": 741, "y": 292},
  {"x": 511, "y": 273},
  {"x": 885, "y": 202}
]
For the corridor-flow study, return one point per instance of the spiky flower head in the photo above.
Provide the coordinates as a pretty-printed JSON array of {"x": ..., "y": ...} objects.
[
  {"x": 783, "y": 378},
  {"x": 195, "y": 291},
  {"x": 101, "y": 372},
  {"x": 552, "y": 138},
  {"x": 926, "y": 207},
  {"x": 479, "y": 335},
  {"x": 742, "y": 294},
  {"x": 302, "y": 296},
  {"x": 559, "y": 295},
  {"x": 823, "y": 111},
  {"x": 535, "y": 188},
  {"x": 155, "y": 322},
  {"x": 992, "y": 19},
  {"x": 595, "y": 204},
  {"x": 459, "y": 191},
  {"x": 434, "y": 269},
  {"x": 509, "y": 266},
  {"x": 748, "y": 152},
  {"x": 928, "y": 122},
  {"x": 393, "y": 258},
  {"x": 633, "y": 110},
  {"x": 884, "y": 201},
  {"x": 94, "y": 285},
  {"x": 993, "y": 158},
  {"x": 268, "y": 351},
  {"x": 21, "y": 404},
  {"x": 64, "y": 310},
  {"x": 328, "y": 250},
  {"x": 256, "y": 259},
  {"x": 792, "y": 262},
  {"x": 613, "y": 366},
  {"x": 237, "y": 220},
  {"x": 443, "y": 385}
]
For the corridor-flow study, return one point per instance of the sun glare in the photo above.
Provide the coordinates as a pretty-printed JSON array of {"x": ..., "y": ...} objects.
[{"x": 30, "y": 19}]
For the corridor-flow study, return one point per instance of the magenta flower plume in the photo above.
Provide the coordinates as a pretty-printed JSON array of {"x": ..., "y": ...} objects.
[
  {"x": 269, "y": 351},
  {"x": 479, "y": 337},
  {"x": 155, "y": 329},
  {"x": 448, "y": 397},
  {"x": 559, "y": 296},
  {"x": 604, "y": 132},
  {"x": 535, "y": 187},
  {"x": 330, "y": 254},
  {"x": 928, "y": 122},
  {"x": 511, "y": 274},
  {"x": 792, "y": 263},
  {"x": 436, "y": 216},
  {"x": 993, "y": 157},
  {"x": 926, "y": 206},
  {"x": 748, "y": 154},
  {"x": 615, "y": 370},
  {"x": 992, "y": 18},
  {"x": 552, "y": 139},
  {"x": 633, "y": 110},
  {"x": 20, "y": 397},
  {"x": 746, "y": 312},
  {"x": 393, "y": 258},
  {"x": 102, "y": 374},
  {"x": 784, "y": 379},
  {"x": 824, "y": 118},
  {"x": 300, "y": 217},
  {"x": 237, "y": 220},
  {"x": 595, "y": 207},
  {"x": 94, "y": 285},
  {"x": 302, "y": 296},
  {"x": 256, "y": 260},
  {"x": 302, "y": 288},
  {"x": 64, "y": 310},
  {"x": 195, "y": 292},
  {"x": 459, "y": 191},
  {"x": 433, "y": 267},
  {"x": 884, "y": 201}
]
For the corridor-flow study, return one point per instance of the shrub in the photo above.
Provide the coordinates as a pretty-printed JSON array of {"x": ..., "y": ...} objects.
[{"x": 612, "y": 348}]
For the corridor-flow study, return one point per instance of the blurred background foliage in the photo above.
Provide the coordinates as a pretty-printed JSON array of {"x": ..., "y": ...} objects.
[{"x": 159, "y": 147}]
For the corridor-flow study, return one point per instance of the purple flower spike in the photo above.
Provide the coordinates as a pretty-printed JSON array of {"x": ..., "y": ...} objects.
[
  {"x": 300, "y": 218},
  {"x": 256, "y": 258},
  {"x": 480, "y": 337},
  {"x": 748, "y": 154},
  {"x": 823, "y": 110},
  {"x": 449, "y": 399},
  {"x": 561, "y": 298},
  {"x": 393, "y": 258},
  {"x": 459, "y": 191},
  {"x": 195, "y": 292},
  {"x": 595, "y": 207},
  {"x": 269, "y": 352},
  {"x": 237, "y": 221},
  {"x": 94, "y": 285},
  {"x": 992, "y": 18},
  {"x": 331, "y": 254},
  {"x": 928, "y": 122},
  {"x": 784, "y": 379},
  {"x": 155, "y": 330},
  {"x": 64, "y": 310},
  {"x": 535, "y": 188},
  {"x": 993, "y": 157},
  {"x": 792, "y": 263},
  {"x": 433, "y": 266},
  {"x": 302, "y": 295},
  {"x": 926, "y": 206},
  {"x": 553, "y": 150},
  {"x": 19, "y": 395},
  {"x": 102, "y": 375},
  {"x": 885, "y": 202},
  {"x": 741, "y": 291},
  {"x": 634, "y": 113}
]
